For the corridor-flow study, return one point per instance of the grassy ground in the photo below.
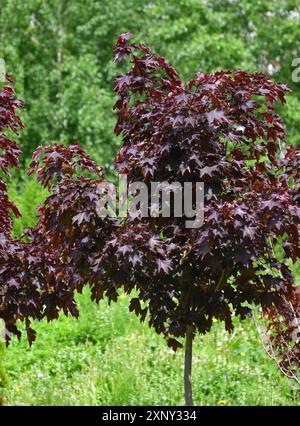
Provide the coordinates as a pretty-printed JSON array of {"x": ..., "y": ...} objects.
[{"x": 108, "y": 358}]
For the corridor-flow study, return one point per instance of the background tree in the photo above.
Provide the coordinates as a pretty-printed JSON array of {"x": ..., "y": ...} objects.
[{"x": 52, "y": 47}]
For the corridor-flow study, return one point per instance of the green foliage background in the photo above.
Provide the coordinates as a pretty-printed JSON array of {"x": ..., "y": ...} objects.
[{"x": 60, "y": 55}]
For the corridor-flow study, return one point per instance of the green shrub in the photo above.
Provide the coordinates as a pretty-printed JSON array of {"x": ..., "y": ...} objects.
[{"x": 27, "y": 194}]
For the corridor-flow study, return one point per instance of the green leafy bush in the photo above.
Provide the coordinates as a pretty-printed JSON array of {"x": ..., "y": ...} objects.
[{"x": 27, "y": 194}]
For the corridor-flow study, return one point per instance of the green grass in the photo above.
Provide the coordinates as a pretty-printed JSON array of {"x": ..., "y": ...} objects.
[{"x": 108, "y": 358}]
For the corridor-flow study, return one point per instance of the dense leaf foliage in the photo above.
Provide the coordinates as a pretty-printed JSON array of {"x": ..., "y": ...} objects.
[
  {"x": 10, "y": 152},
  {"x": 30, "y": 284},
  {"x": 222, "y": 129}
]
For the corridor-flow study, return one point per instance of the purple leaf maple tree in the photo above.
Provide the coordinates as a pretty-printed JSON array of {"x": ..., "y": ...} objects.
[{"x": 222, "y": 129}]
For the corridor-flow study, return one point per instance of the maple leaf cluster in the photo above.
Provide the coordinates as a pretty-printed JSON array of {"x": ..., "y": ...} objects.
[
  {"x": 9, "y": 151},
  {"x": 31, "y": 286},
  {"x": 222, "y": 129}
]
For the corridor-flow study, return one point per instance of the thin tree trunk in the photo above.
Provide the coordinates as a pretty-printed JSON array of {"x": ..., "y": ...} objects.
[{"x": 188, "y": 393}]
